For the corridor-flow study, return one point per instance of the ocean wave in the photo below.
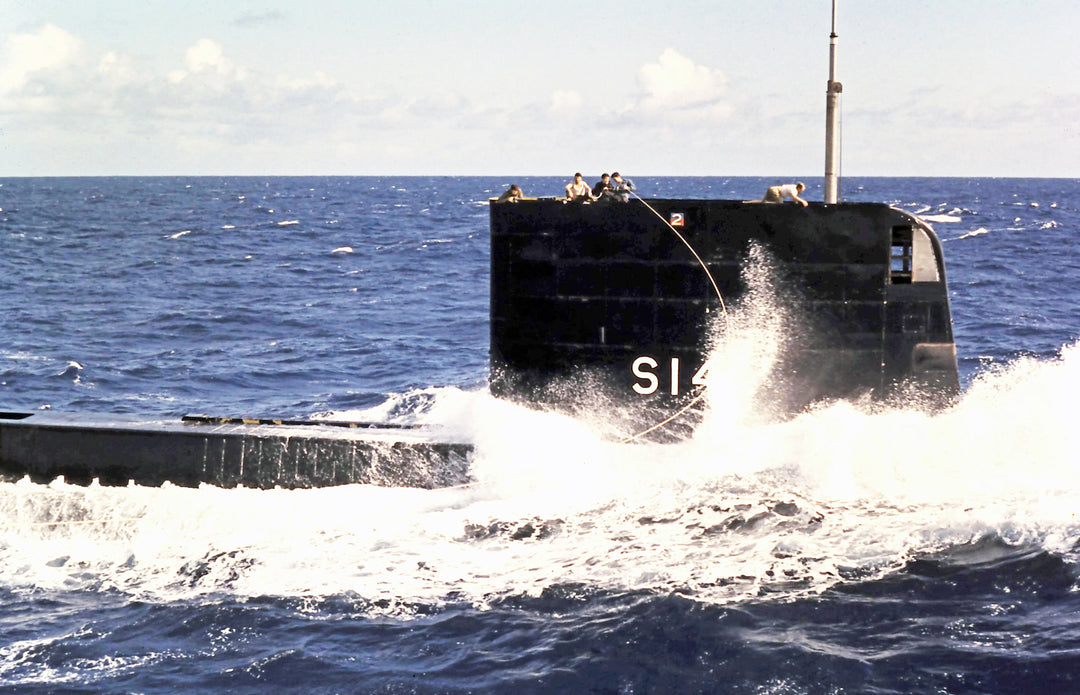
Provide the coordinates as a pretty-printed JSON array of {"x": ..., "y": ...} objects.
[{"x": 740, "y": 510}]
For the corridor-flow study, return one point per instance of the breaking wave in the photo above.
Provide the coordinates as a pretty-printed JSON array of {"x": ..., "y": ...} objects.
[{"x": 747, "y": 507}]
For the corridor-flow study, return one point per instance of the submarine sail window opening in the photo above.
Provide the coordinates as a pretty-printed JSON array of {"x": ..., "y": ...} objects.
[
  {"x": 912, "y": 257},
  {"x": 900, "y": 256}
]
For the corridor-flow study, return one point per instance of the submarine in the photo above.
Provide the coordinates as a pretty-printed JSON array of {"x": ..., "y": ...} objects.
[
  {"x": 611, "y": 305},
  {"x": 617, "y": 302}
]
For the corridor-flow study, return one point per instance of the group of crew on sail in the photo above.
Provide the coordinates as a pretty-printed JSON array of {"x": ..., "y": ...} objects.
[
  {"x": 609, "y": 187},
  {"x": 615, "y": 187}
]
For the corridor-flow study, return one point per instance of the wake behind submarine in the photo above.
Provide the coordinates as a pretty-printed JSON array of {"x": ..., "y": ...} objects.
[{"x": 613, "y": 301}]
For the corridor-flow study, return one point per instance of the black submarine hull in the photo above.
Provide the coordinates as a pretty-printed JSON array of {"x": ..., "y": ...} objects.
[
  {"x": 226, "y": 452},
  {"x": 614, "y": 303}
]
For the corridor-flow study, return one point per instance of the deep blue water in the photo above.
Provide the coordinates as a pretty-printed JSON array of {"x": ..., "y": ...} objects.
[{"x": 843, "y": 551}]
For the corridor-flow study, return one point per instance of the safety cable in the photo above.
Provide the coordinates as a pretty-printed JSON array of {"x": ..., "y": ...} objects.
[{"x": 723, "y": 307}]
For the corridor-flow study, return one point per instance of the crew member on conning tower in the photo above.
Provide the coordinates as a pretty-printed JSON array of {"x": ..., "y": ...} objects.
[
  {"x": 578, "y": 189},
  {"x": 776, "y": 194}
]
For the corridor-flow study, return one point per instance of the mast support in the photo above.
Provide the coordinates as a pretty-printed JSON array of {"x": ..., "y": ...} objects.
[{"x": 832, "y": 121}]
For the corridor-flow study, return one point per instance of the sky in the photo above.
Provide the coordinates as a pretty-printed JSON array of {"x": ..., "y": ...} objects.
[{"x": 428, "y": 87}]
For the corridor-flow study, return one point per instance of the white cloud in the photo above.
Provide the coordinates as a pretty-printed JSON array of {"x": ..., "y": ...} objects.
[
  {"x": 208, "y": 55},
  {"x": 25, "y": 56},
  {"x": 565, "y": 103},
  {"x": 117, "y": 70},
  {"x": 320, "y": 80},
  {"x": 207, "y": 60},
  {"x": 207, "y": 101},
  {"x": 676, "y": 84},
  {"x": 209, "y": 104}
]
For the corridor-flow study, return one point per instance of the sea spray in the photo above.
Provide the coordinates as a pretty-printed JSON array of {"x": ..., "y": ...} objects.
[{"x": 788, "y": 507}]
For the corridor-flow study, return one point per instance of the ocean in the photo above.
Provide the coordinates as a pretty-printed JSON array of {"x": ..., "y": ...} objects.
[{"x": 846, "y": 550}]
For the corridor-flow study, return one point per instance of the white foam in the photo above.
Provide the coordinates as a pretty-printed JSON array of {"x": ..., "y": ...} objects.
[
  {"x": 854, "y": 490},
  {"x": 747, "y": 504}
]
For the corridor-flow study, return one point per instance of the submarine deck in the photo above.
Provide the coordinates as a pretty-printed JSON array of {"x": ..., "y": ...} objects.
[{"x": 227, "y": 452}]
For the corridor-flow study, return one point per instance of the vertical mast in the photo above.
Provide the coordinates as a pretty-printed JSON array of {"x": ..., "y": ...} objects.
[{"x": 832, "y": 122}]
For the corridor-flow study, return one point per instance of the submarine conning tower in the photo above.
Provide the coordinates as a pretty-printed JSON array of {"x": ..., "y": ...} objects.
[{"x": 605, "y": 299}]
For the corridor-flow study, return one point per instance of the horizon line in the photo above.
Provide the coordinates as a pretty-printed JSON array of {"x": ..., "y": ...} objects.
[{"x": 812, "y": 177}]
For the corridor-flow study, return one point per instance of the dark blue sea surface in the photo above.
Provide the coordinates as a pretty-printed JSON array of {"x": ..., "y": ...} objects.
[{"x": 847, "y": 550}]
